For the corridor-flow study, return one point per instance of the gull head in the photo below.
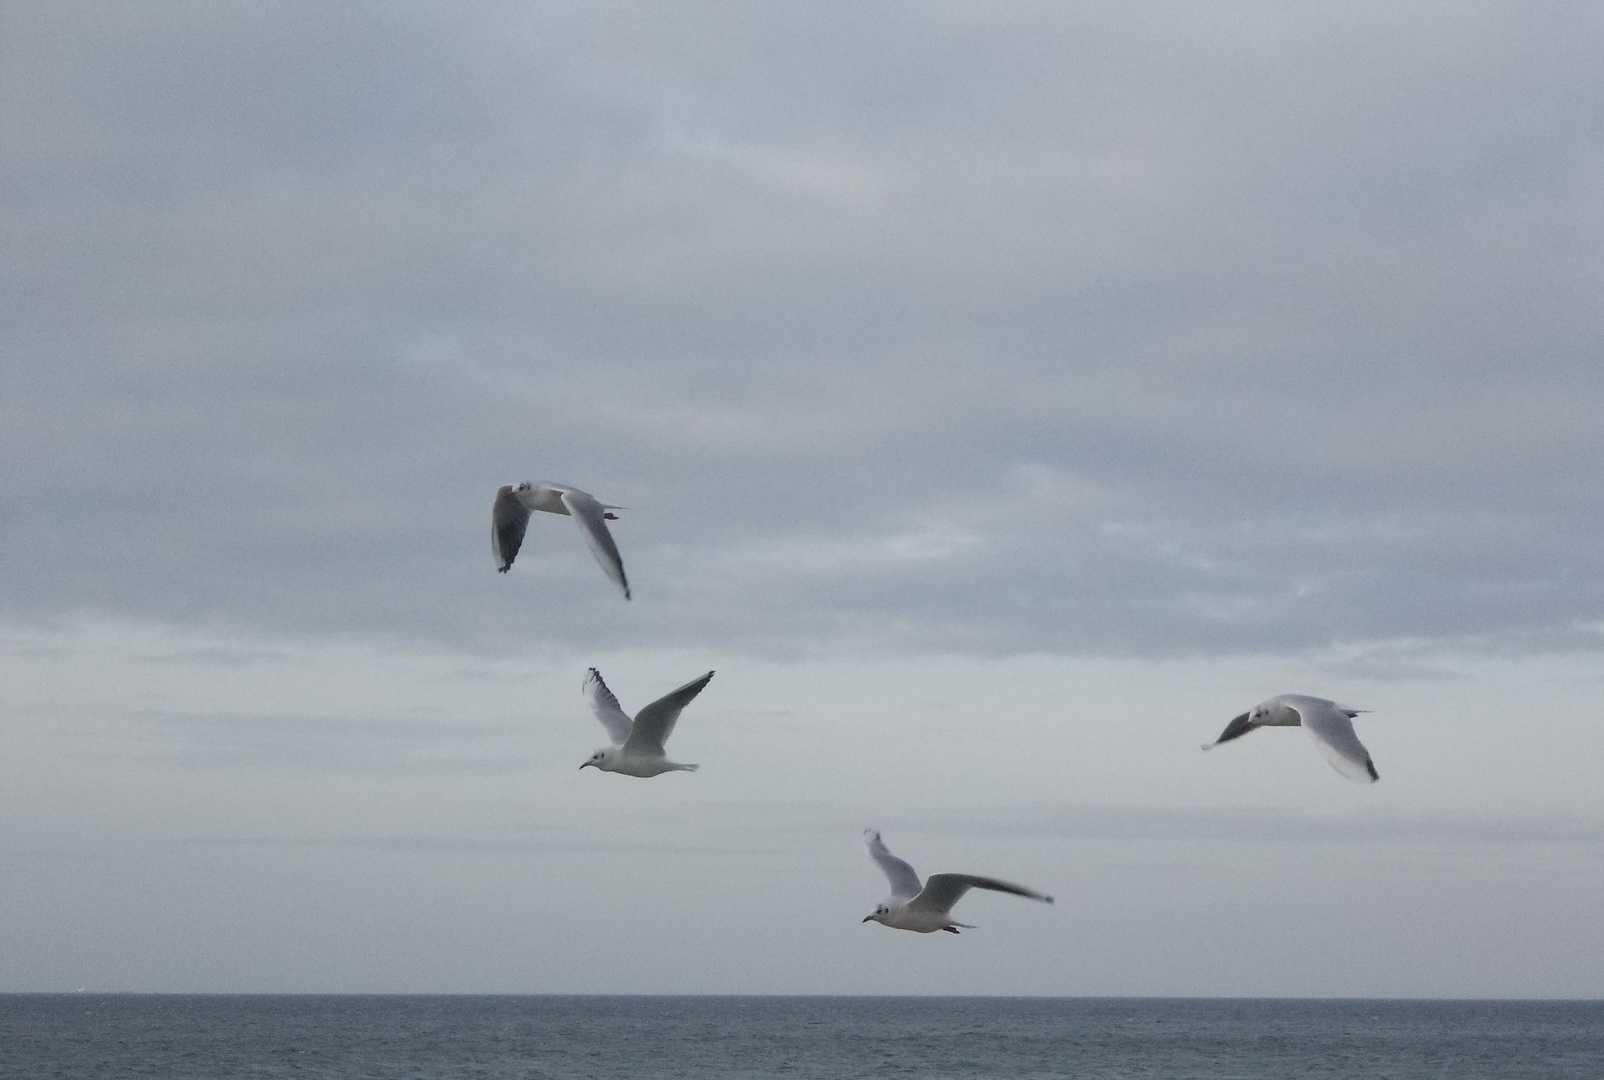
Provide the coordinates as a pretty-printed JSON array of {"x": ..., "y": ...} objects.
[
  {"x": 1273, "y": 713},
  {"x": 878, "y": 914},
  {"x": 602, "y": 759}
]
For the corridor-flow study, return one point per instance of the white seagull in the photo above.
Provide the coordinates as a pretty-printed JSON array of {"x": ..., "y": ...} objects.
[
  {"x": 925, "y": 909},
  {"x": 509, "y": 517},
  {"x": 1329, "y": 724},
  {"x": 637, "y": 748}
]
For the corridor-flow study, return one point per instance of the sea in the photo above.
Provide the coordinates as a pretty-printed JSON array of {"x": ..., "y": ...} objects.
[{"x": 179, "y": 1037}]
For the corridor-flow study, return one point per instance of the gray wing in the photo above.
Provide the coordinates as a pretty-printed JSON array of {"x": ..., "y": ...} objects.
[
  {"x": 508, "y": 520},
  {"x": 1234, "y": 730},
  {"x": 1331, "y": 727},
  {"x": 606, "y": 708},
  {"x": 655, "y": 723},
  {"x": 591, "y": 517},
  {"x": 942, "y": 891},
  {"x": 904, "y": 882}
]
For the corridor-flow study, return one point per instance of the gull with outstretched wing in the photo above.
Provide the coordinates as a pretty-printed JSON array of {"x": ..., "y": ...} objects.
[
  {"x": 925, "y": 908},
  {"x": 509, "y": 517},
  {"x": 637, "y": 745},
  {"x": 1329, "y": 724}
]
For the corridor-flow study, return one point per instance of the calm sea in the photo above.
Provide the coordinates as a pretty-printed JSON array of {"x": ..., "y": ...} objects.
[{"x": 182, "y": 1037}]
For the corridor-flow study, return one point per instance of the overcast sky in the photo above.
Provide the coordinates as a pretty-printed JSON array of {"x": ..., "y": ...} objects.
[{"x": 1004, "y": 397}]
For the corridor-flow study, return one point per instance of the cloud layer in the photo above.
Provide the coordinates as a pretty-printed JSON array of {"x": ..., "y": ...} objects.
[{"x": 1112, "y": 330}]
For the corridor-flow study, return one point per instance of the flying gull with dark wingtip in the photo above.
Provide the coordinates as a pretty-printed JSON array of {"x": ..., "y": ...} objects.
[
  {"x": 1329, "y": 724},
  {"x": 509, "y": 517},
  {"x": 637, "y": 748},
  {"x": 925, "y": 908}
]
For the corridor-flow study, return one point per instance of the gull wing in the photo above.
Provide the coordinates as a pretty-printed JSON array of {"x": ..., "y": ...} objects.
[
  {"x": 591, "y": 516},
  {"x": 655, "y": 723},
  {"x": 942, "y": 891},
  {"x": 1235, "y": 729},
  {"x": 904, "y": 882},
  {"x": 1331, "y": 727},
  {"x": 606, "y": 708},
  {"x": 508, "y": 520}
]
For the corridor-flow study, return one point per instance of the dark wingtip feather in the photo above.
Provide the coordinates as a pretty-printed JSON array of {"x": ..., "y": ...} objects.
[{"x": 1235, "y": 729}]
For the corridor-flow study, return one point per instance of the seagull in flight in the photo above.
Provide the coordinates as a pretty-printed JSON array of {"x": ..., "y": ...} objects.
[
  {"x": 925, "y": 909},
  {"x": 637, "y": 748},
  {"x": 1329, "y": 724},
  {"x": 509, "y": 517}
]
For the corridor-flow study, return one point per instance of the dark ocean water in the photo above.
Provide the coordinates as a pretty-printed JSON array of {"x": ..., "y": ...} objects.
[{"x": 183, "y": 1037}]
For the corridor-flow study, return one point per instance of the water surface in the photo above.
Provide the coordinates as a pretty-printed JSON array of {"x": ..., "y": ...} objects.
[{"x": 110, "y": 1037}]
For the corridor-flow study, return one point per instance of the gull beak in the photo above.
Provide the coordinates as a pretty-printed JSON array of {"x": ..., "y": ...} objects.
[
  {"x": 868, "y": 918},
  {"x": 586, "y": 763}
]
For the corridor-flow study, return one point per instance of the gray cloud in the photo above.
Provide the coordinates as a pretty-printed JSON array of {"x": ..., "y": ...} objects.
[{"x": 1127, "y": 334}]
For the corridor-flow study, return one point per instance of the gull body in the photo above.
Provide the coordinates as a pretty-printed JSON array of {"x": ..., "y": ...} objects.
[
  {"x": 637, "y": 745},
  {"x": 925, "y": 908},
  {"x": 509, "y": 517},
  {"x": 1329, "y": 724}
]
